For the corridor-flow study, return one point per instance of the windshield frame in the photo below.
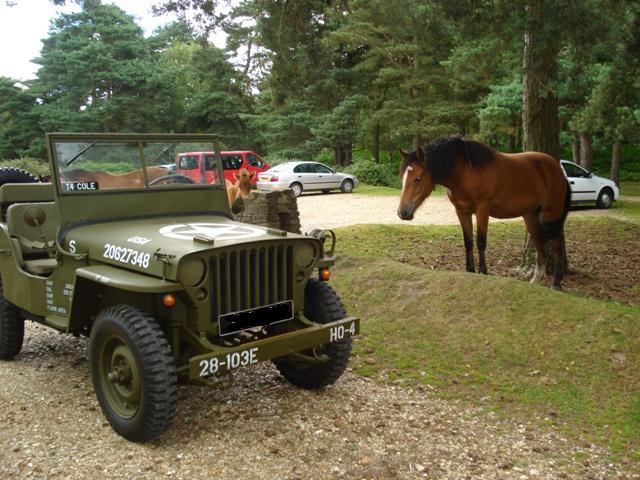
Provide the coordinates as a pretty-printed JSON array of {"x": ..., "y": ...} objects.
[{"x": 53, "y": 139}]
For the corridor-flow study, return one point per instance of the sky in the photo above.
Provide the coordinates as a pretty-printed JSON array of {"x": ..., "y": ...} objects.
[{"x": 23, "y": 26}]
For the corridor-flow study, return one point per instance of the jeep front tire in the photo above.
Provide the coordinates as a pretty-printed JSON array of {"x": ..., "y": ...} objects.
[
  {"x": 133, "y": 372},
  {"x": 11, "y": 329},
  {"x": 322, "y": 305}
]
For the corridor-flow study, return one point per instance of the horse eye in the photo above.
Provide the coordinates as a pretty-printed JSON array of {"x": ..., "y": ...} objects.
[{"x": 417, "y": 180}]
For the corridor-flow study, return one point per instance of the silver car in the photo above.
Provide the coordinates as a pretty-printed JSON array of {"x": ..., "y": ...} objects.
[
  {"x": 305, "y": 177},
  {"x": 589, "y": 188}
]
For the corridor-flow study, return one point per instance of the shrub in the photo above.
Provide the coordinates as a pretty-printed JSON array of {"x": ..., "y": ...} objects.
[
  {"x": 32, "y": 165},
  {"x": 372, "y": 173}
]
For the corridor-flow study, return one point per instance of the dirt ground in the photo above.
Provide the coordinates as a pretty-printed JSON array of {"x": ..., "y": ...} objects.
[
  {"x": 598, "y": 266},
  {"x": 260, "y": 427}
]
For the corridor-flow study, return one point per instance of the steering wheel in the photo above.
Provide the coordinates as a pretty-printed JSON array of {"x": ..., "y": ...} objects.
[{"x": 173, "y": 177}]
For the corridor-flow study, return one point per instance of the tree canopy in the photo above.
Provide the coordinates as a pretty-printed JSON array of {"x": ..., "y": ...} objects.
[{"x": 341, "y": 79}]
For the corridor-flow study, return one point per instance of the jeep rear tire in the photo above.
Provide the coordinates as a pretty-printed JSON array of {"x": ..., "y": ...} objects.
[
  {"x": 16, "y": 175},
  {"x": 11, "y": 329},
  {"x": 133, "y": 372},
  {"x": 322, "y": 305}
]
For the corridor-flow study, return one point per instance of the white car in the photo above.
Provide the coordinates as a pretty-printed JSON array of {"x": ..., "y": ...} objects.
[
  {"x": 305, "y": 177},
  {"x": 589, "y": 188}
]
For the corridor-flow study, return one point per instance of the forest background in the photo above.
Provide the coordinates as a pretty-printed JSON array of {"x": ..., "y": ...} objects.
[{"x": 345, "y": 81}]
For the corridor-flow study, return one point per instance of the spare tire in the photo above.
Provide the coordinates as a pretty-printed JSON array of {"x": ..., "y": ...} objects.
[{"x": 16, "y": 175}]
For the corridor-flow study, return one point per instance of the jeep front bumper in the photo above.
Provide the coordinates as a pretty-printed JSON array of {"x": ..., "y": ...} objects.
[{"x": 223, "y": 360}]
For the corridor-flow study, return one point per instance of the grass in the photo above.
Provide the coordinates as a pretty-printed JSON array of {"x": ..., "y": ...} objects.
[
  {"x": 630, "y": 188},
  {"x": 627, "y": 210},
  {"x": 377, "y": 191},
  {"x": 515, "y": 347}
]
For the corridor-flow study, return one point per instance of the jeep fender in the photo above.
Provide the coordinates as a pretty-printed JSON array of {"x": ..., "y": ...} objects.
[{"x": 98, "y": 287}]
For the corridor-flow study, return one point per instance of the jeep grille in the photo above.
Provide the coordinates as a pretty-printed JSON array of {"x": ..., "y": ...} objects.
[{"x": 252, "y": 277}]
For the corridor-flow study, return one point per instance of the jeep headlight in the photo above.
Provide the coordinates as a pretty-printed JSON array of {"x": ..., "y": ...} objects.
[
  {"x": 305, "y": 255},
  {"x": 192, "y": 271}
]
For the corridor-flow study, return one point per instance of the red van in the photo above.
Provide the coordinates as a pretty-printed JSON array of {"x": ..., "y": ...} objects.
[{"x": 189, "y": 164}]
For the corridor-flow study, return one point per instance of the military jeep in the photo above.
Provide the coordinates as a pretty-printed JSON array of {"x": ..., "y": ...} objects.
[{"x": 154, "y": 269}]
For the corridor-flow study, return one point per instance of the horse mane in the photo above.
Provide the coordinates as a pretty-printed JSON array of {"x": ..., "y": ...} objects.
[{"x": 443, "y": 153}]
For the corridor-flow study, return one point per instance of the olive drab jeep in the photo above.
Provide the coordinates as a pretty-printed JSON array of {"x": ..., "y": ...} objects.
[{"x": 153, "y": 267}]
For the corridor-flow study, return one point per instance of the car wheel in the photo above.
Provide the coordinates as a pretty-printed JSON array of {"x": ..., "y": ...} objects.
[
  {"x": 133, "y": 372},
  {"x": 321, "y": 305},
  {"x": 347, "y": 186},
  {"x": 297, "y": 189},
  {"x": 605, "y": 198},
  {"x": 11, "y": 329}
]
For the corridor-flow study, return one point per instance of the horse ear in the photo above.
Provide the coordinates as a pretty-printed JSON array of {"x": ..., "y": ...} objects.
[
  {"x": 252, "y": 174},
  {"x": 236, "y": 175},
  {"x": 421, "y": 156},
  {"x": 402, "y": 152}
]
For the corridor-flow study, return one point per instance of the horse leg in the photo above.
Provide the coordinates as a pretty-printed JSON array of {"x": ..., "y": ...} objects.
[
  {"x": 558, "y": 270},
  {"x": 533, "y": 227},
  {"x": 482, "y": 225},
  {"x": 553, "y": 230},
  {"x": 467, "y": 233}
]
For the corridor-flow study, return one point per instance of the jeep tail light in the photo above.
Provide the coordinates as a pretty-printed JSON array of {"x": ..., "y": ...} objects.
[{"x": 274, "y": 179}]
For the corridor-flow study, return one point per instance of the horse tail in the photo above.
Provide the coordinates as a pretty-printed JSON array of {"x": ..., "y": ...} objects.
[{"x": 555, "y": 228}]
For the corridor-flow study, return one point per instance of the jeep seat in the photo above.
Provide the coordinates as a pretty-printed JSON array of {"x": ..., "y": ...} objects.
[{"x": 33, "y": 227}]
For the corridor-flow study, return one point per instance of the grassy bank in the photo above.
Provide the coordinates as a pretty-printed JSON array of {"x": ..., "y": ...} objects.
[{"x": 516, "y": 348}]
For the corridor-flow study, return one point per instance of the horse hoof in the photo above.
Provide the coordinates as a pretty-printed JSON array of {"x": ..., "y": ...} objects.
[{"x": 557, "y": 288}]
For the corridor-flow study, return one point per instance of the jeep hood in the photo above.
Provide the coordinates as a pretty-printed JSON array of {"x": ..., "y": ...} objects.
[{"x": 155, "y": 246}]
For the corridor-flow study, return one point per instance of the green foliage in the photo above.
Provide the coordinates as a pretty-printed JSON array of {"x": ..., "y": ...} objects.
[
  {"x": 372, "y": 173},
  {"x": 32, "y": 165}
]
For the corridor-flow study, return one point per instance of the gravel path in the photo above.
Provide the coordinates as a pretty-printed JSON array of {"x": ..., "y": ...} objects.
[
  {"x": 340, "y": 210},
  {"x": 262, "y": 428}
]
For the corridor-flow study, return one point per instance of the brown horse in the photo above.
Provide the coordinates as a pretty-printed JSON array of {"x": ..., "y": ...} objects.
[
  {"x": 482, "y": 181},
  {"x": 242, "y": 187},
  {"x": 108, "y": 180}
]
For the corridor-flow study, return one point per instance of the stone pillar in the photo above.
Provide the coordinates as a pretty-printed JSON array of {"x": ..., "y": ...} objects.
[{"x": 271, "y": 209}]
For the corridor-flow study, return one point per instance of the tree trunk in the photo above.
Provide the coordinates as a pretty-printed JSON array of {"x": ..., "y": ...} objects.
[
  {"x": 347, "y": 155},
  {"x": 575, "y": 151},
  {"x": 540, "y": 72},
  {"x": 540, "y": 122},
  {"x": 615, "y": 163},
  {"x": 338, "y": 155},
  {"x": 375, "y": 144},
  {"x": 586, "y": 152}
]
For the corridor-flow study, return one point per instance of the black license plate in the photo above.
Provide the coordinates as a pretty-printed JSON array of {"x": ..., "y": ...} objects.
[{"x": 255, "y": 317}]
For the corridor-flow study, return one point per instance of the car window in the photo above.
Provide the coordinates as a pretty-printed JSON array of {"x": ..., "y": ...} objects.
[
  {"x": 231, "y": 162},
  {"x": 319, "y": 168},
  {"x": 188, "y": 162},
  {"x": 574, "y": 170},
  {"x": 254, "y": 161},
  {"x": 210, "y": 162},
  {"x": 304, "y": 168}
]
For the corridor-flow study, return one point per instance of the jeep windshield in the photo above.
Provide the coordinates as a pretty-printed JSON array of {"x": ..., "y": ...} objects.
[{"x": 98, "y": 164}]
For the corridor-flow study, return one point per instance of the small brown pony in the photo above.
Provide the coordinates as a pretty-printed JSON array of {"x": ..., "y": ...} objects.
[
  {"x": 482, "y": 181},
  {"x": 108, "y": 180},
  {"x": 242, "y": 187}
]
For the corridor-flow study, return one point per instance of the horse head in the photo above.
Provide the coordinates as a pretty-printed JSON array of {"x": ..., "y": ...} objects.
[
  {"x": 417, "y": 183},
  {"x": 243, "y": 181}
]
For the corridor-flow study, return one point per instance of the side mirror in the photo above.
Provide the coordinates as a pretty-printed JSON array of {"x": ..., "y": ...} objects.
[{"x": 237, "y": 205}]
